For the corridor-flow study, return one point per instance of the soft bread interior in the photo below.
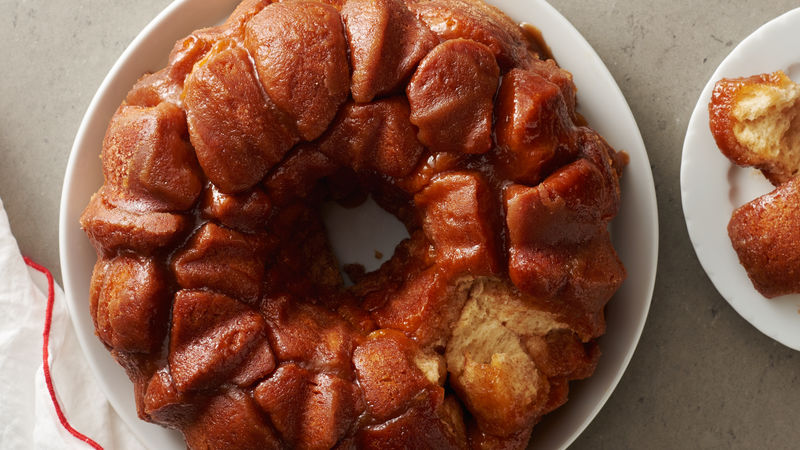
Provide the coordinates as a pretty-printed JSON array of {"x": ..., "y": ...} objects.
[
  {"x": 488, "y": 359},
  {"x": 768, "y": 122}
]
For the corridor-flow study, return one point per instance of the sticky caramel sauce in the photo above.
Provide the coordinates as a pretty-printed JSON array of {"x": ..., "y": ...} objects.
[{"x": 535, "y": 41}]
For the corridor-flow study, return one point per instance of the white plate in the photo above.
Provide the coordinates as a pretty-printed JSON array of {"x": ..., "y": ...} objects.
[
  {"x": 601, "y": 102},
  {"x": 712, "y": 187}
]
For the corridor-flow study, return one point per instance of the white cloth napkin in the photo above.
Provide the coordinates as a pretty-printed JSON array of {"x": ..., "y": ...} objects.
[{"x": 27, "y": 416}]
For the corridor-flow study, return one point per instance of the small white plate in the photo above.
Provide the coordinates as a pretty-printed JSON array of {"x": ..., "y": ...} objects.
[
  {"x": 635, "y": 230},
  {"x": 712, "y": 187}
]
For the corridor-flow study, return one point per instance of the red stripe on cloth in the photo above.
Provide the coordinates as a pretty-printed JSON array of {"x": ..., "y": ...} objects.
[{"x": 45, "y": 355}]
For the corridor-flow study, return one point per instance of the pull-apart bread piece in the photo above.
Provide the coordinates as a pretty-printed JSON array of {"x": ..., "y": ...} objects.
[
  {"x": 216, "y": 287},
  {"x": 766, "y": 235},
  {"x": 756, "y": 122}
]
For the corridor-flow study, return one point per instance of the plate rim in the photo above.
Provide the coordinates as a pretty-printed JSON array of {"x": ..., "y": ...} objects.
[
  {"x": 647, "y": 196},
  {"x": 697, "y": 129}
]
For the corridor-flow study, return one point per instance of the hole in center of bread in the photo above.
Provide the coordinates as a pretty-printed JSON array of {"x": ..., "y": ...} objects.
[{"x": 365, "y": 235}]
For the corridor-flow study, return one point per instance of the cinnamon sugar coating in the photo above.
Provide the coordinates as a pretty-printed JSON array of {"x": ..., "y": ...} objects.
[{"x": 217, "y": 289}]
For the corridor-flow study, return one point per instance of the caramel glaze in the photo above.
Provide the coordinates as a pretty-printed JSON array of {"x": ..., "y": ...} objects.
[
  {"x": 230, "y": 316},
  {"x": 764, "y": 236},
  {"x": 727, "y": 93},
  {"x": 536, "y": 42}
]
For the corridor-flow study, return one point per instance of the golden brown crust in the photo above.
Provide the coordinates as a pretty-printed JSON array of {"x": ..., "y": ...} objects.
[
  {"x": 477, "y": 21},
  {"x": 300, "y": 54},
  {"x": 147, "y": 159},
  {"x": 454, "y": 113},
  {"x": 766, "y": 237},
  {"x": 219, "y": 292},
  {"x": 736, "y": 108},
  {"x": 237, "y": 133},
  {"x": 386, "y": 43},
  {"x": 756, "y": 122},
  {"x": 112, "y": 229},
  {"x": 129, "y": 300}
]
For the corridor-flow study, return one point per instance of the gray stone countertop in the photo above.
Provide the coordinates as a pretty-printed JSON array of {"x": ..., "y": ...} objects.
[{"x": 702, "y": 377}]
